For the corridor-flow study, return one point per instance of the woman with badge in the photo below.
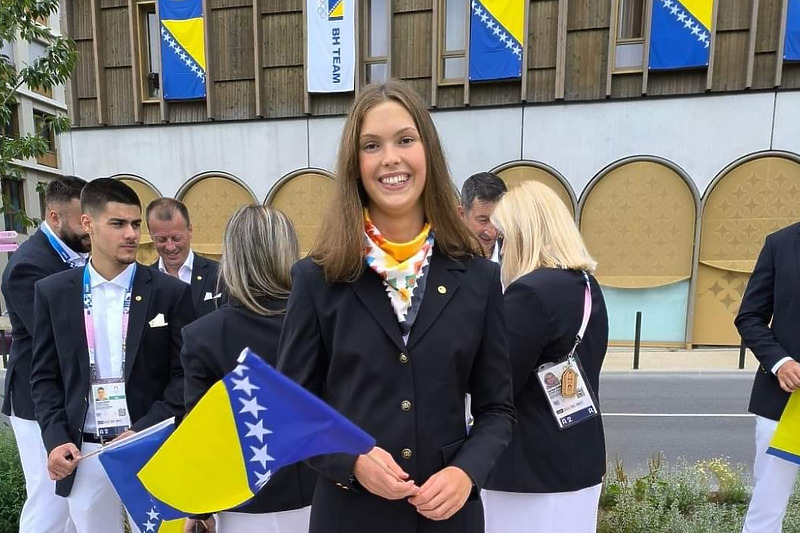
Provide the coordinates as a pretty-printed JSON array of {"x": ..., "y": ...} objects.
[
  {"x": 392, "y": 320},
  {"x": 550, "y": 476},
  {"x": 258, "y": 249}
]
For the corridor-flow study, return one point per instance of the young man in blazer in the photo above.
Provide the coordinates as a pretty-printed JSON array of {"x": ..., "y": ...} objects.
[
  {"x": 112, "y": 324},
  {"x": 768, "y": 323},
  {"x": 171, "y": 230},
  {"x": 60, "y": 244}
]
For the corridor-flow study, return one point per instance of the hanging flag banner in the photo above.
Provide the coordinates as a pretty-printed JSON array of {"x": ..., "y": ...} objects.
[
  {"x": 330, "y": 29},
  {"x": 183, "y": 49},
  {"x": 680, "y": 34},
  {"x": 496, "y": 39},
  {"x": 791, "y": 44}
]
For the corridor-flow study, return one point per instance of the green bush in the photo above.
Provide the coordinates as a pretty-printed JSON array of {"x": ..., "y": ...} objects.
[
  {"x": 707, "y": 497},
  {"x": 12, "y": 482}
]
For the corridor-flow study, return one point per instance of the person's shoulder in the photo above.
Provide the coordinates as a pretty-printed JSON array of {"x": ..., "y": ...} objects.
[
  {"x": 203, "y": 261},
  {"x": 791, "y": 231},
  {"x": 211, "y": 323},
  {"x": 31, "y": 251},
  {"x": 308, "y": 269},
  {"x": 161, "y": 280},
  {"x": 56, "y": 281}
]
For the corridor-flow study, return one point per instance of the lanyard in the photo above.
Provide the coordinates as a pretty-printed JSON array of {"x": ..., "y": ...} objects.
[
  {"x": 587, "y": 311},
  {"x": 64, "y": 254},
  {"x": 91, "y": 341}
]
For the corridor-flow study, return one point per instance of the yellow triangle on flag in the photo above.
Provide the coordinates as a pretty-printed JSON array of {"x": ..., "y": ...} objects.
[
  {"x": 190, "y": 35},
  {"x": 172, "y": 526},
  {"x": 510, "y": 13},
  {"x": 338, "y": 11},
  {"x": 702, "y": 10}
]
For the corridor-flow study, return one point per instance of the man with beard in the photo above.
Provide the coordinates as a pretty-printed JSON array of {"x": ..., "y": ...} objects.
[
  {"x": 479, "y": 196},
  {"x": 59, "y": 244}
]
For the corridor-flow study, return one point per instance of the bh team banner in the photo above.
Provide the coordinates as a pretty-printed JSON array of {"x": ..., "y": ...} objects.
[
  {"x": 680, "y": 34},
  {"x": 331, "y": 45},
  {"x": 791, "y": 45},
  {"x": 183, "y": 49},
  {"x": 496, "y": 39}
]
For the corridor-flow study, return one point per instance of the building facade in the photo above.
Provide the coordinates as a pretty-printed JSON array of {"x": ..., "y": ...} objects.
[{"x": 674, "y": 177}]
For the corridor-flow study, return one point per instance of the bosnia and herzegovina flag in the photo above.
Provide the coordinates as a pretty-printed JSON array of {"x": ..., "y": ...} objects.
[
  {"x": 122, "y": 461},
  {"x": 496, "y": 39},
  {"x": 786, "y": 440},
  {"x": 680, "y": 34},
  {"x": 248, "y": 425},
  {"x": 791, "y": 43},
  {"x": 183, "y": 54}
]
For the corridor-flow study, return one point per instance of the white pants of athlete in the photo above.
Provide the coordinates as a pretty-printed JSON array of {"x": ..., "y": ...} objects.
[
  {"x": 774, "y": 480},
  {"x": 93, "y": 503},
  {"x": 557, "y": 512},
  {"x": 43, "y": 512},
  {"x": 295, "y": 521}
]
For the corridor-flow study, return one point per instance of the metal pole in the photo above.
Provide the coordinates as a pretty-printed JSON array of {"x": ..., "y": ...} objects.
[
  {"x": 742, "y": 351},
  {"x": 637, "y": 342}
]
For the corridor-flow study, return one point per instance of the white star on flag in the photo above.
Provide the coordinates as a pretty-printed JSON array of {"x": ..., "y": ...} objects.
[
  {"x": 263, "y": 478},
  {"x": 244, "y": 383},
  {"x": 674, "y": 10},
  {"x": 251, "y": 406},
  {"x": 682, "y": 17},
  {"x": 497, "y": 31},
  {"x": 260, "y": 455},
  {"x": 479, "y": 11},
  {"x": 257, "y": 430},
  {"x": 703, "y": 38},
  {"x": 688, "y": 23},
  {"x": 695, "y": 30},
  {"x": 153, "y": 514},
  {"x": 517, "y": 50},
  {"x": 484, "y": 18},
  {"x": 503, "y": 38},
  {"x": 149, "y": 526},
  {"x": 239, "y": 370},
  {"x": 668, "y": 3},
  {"x": 491, "y": 25},
  {"x": 510, "y": 44}
]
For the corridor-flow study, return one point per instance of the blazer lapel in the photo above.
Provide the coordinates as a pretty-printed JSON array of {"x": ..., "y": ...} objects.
[
  {"x": 198, "y": 279},
  {"x": 369, "y": 289},
  {"x": 140, "y": 302},
  {"x": 440, "y": 287},
  {"x": 74, "y": 293}
]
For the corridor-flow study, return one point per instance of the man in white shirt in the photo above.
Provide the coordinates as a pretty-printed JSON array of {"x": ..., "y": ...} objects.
[
  {"x": 479, "y": 196},
  {"x": 115, "y": 325},
  {"x": 171, "y": 230},
  {"x": 60, "y": 243}
]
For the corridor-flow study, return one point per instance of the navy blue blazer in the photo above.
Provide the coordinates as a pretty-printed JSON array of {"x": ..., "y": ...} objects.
[
  {"x": 204, "y": 283},
  {"x": 769, "y": 317},
  {"x": 342, "y": 342}
]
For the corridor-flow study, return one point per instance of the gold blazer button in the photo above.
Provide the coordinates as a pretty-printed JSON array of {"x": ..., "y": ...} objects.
[
  {"x": 442, "y": 289},
  {"x": 406, "y": 453},
  {"x": 138, "y": 298}
]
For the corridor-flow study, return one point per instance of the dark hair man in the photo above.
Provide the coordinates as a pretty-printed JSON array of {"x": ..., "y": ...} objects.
[
  {"x": 171, "y": 230},
  {"x": 479, "y": 196},
  {"x": 59, "y": 244},
  {"x": 767, "y": 321},
  {"x": 112, "y": 323}
]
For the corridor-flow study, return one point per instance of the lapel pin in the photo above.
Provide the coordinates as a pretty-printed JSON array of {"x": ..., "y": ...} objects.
[
  {"x": 442, "y": 289},
  {"x": 138, "y": 298},
  {"x": 199, "y": 278}
]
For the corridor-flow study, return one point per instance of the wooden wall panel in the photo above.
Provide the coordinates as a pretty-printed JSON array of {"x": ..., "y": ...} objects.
[
  {"x": 235, "y": 99},
  {"x": 730, "y": 61},
  {"x": 119, "y": 96},
  {"x": 404, "y": 6},
  {"x": 586, "y": 65},
  {"x": 422, "y": 86},
  {"x": 80, "y": 20},
  {"x": 151, "y": 114},
  {"x": 282, "y": 43},
  {"x": 231, "y": 44},
  {"x": 114, "y": 30},
  {"x": 222, "y": 4},
  {"x": 791, "y": 76},
  {"x": 283, "y": 91},
  {"x": 483, "y": 94},
  {"x": 411, "y": 45},
  {"x": 542, "y": 33},
  {"x": 541, "y": 85},
  {"x": 83, "y": 75},
  {"x": 734, "y": 15},
  {"x": 87, "y": 111},
  {"x": 113, "y": 3},
  {"x": 769, "y": 24},
  {"x": 764, "y": 70},
  {"x": 588, "y": 14},
  {"x": 331, "y": 104},
  {"x": 450, "y": 96},
  {"x": 192, "y": 111},
  {"x": 678, "y": 82},
  {"x": 280, "y": 6},
  {"x": 626, "y": 85}
]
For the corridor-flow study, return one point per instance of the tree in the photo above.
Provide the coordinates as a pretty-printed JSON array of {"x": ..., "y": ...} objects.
[{"x": 19, "y": 22}]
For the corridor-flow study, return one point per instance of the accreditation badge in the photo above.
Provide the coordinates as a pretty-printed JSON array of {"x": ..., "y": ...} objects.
[
  {"x": 110, "y": 408},
  {"x": 570, "y": 398}
]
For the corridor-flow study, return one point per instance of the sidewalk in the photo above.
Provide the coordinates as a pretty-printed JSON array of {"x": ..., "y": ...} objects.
[{"x": 620, "y": 359}]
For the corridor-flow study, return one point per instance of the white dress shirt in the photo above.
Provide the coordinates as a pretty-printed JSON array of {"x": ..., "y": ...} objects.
[
  {"x": 108, "y": 298},
  {"x": 185, "y": 272},
  {"x": 74, "y": 259},
  {"x": 495, "y": 258}
]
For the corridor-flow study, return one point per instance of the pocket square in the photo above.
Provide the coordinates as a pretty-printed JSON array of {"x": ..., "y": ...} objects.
[
  {"x": 158, "y": 321},
  {"x": 209, "y": 296}
]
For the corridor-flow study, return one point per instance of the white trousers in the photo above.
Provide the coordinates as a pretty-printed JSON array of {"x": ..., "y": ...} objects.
[
  {"x": 43, "y": 511},
  {"x": 93, "y": 503},
  {"x": 557, "y": 512},
  {"x": 295, "y": 521},
  {"x": 774, "y": 480}
]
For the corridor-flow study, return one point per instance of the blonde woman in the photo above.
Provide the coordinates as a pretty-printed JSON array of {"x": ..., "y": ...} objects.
[
  {"x": 258, "y": 250},
  {"x": 548, "y": 479}
]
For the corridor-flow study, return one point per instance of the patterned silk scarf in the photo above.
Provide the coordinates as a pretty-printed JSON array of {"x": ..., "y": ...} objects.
[{"x": 402, "y": 267}]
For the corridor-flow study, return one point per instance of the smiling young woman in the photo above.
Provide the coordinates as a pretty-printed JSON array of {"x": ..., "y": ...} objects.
[{"x": 393, "y": 318}]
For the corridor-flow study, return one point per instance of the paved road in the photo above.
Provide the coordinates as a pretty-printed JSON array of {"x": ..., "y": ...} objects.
[{"x": 691, "y": 416}]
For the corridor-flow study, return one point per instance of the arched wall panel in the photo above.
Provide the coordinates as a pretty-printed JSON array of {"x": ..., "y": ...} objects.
[
  {"x": 515, "y": 173},
  {"x": 147, "y": 193}
]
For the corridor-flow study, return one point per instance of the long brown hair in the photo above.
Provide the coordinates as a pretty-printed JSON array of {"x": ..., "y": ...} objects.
[{"x": 340, "y": 245}]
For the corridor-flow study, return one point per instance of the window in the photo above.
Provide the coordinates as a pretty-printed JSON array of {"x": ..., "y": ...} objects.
[
  {"x": 377, "y": 34},
  {"x": 149, "y": 51},
  {"x": 11, "y": 127},
  {"x": 37, "y": 50},
  {"x": 7, "y": 50},
  {"x": 453, "y": 41},
  {"x": 629, "y": 50},
  {"x": 44, "y": 129},
  {"x": 14, "y": 201}
]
